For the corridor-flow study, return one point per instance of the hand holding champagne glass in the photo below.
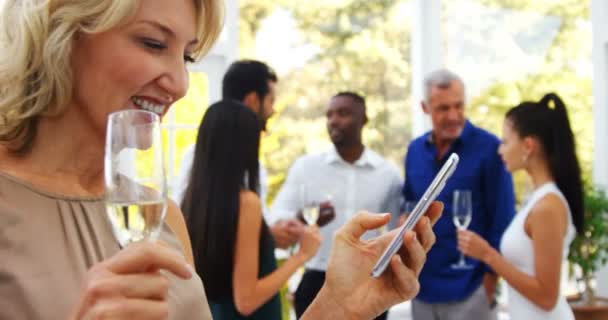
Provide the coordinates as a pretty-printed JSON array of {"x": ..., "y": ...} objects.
[
  {"x": 136, "y": 187},
  {"x": 462, "y": 211}
]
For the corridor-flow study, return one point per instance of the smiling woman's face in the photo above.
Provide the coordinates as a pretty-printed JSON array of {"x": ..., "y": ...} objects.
[{"x": 139, "y": 65}]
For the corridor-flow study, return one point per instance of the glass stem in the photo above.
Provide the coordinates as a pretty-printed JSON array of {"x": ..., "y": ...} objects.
[{"x": 461, "y": 262}]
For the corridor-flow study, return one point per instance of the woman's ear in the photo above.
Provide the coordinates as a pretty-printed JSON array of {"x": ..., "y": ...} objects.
[{"x": 531, "y": 146}]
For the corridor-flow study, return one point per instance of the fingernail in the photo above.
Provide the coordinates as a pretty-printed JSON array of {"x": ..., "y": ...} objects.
[
  {"x": 190, "y": 270},
  {"x": 399, "y": 258}
]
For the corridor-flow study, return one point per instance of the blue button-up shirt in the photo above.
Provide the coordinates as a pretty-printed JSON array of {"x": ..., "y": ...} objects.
[{"x": 480, "y": 170}]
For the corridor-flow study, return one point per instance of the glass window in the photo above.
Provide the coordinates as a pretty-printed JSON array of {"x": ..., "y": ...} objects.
[
  {"x": 511, "y": 51},
  {"x": 180, "y": 125}
]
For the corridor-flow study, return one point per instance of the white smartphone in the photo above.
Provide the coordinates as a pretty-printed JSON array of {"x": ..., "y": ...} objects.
[{"x": 423, "y": 204}]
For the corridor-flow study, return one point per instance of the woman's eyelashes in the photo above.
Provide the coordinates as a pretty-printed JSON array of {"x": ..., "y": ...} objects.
[
  {"x": 159, "y": 46},
  {"x": 153, "y": 44}
]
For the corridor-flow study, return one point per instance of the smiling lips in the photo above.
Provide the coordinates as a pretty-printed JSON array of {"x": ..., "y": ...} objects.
[
  {"x": 335, "y": 132},
  {"x": 149, "y": 105}
]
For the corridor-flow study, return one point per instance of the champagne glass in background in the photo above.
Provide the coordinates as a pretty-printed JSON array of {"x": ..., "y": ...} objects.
[
  {"x": 462, "y": 211},
  {"x": 134, "y": 173},
  {"x": 310, "y": 206},
  {"x": 327, "y": 211}
]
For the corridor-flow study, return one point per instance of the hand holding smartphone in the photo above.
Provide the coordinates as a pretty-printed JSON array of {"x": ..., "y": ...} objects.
[{"x": 423, "y": 204}]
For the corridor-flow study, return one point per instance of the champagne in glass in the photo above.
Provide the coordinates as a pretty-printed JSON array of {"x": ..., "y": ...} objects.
[
  {"x": 135, "y": 221},
  {"x": 311, "y": 214},
  {"x": 462, "y": 211},
  {"x": 136, "y": 187},
  {"x": 461, "y": 221},
  {"x": 310, "y": 207}
]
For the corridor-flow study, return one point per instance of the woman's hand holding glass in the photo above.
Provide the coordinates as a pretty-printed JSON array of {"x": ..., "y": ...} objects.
[
  {"x": 130, "y": 285},
  {"x": 316, "y": 205},
  {"x": 310, "y": 241},
  {"x": 462, "y": 213},
  {"x": 474, "y": 246}
]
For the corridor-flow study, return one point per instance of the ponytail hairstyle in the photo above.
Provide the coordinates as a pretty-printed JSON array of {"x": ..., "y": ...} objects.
[{"x": 547, "y": 120}]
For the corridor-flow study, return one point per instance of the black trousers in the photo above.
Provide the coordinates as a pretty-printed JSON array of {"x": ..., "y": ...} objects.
[{"x": 311, "y": 284}]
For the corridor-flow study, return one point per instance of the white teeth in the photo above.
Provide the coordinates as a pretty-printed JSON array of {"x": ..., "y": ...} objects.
[{"x": 149, "y": 106}]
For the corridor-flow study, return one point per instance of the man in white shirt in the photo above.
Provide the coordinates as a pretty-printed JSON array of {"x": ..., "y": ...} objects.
[
  {"x": 356, "y": 177},
  {"x": 252, "y": 83}
]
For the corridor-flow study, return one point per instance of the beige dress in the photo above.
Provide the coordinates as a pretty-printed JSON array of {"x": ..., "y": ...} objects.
[{"x": 47, "y": 244}]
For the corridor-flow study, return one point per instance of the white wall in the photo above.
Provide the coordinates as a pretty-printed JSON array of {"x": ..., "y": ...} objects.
[
  {"x": 599, "y": 19},
  {"x": 223, "y": 53},
  {"x": 426, "y": 55}
]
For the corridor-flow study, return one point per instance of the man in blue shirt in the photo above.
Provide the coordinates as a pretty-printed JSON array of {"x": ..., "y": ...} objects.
[{"x": 446, "y": 292}]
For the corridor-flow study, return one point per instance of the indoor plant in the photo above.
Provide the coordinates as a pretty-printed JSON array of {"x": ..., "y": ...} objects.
[{"x": 588, "y": 253}]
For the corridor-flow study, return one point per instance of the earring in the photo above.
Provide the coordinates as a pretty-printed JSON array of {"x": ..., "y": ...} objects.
[{"x": 524, "y": 158}]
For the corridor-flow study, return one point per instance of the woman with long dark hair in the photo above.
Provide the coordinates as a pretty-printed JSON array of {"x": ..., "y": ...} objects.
[
  {"x": 233, "y": 247},
  {"x": 538, "y": 139}
]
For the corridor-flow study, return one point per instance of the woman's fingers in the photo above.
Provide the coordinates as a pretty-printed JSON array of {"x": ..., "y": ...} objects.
[
  {"x": 144, "y": 257},
  {"x": 434, "y": 211},
  {"x": 132, "y": 284},
  {"x": 463, "y": 241},
  {"x": 362, "y": 222},
  {"x": 425, "y": 234},
  {"x": 405, "y": 280},
  {"x": 152, "y": 285},
  {"x": 131, "y": 309},
  {"x": 412, "y": 253}
]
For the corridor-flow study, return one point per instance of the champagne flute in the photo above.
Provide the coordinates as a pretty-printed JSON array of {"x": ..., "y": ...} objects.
[
  {"x": 310, "y": 207},
  {"x": 462, "y": 211},
  {"x": 134, "y": 172}
]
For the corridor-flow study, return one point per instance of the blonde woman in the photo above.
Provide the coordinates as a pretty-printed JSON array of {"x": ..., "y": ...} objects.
[{"x": 64, "y": 66}]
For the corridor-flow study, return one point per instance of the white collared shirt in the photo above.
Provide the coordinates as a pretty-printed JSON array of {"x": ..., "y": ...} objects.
[{"x": 371, "y": 183}]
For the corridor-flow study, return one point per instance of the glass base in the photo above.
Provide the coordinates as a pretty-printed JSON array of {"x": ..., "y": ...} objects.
[{"x": 462, "y": 266}]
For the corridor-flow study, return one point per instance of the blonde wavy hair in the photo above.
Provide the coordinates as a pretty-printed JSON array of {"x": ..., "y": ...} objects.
[{"x": 36, "y": 38}]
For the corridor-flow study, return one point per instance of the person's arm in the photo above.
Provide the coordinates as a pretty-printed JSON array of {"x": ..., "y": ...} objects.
[
  {"x": 250, "y": 292},
  {"x": 286, "y": 203},
  {"x": 547, "y": 223},
  {"x": 284, "y": 226},
  {"x": 175, "y": 221},
  {"x": 393, "y": 200},
  {"x": 286, "y": 232}
]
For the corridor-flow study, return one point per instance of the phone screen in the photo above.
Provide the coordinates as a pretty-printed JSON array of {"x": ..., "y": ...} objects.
[{"x": 423, "y": 204}]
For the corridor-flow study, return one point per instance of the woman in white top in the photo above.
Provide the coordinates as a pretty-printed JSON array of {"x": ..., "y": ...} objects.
[{"x": 537, "y": 138}]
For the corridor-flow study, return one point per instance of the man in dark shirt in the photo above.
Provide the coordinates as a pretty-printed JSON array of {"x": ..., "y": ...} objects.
[{"x": 447, "y": 292}]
